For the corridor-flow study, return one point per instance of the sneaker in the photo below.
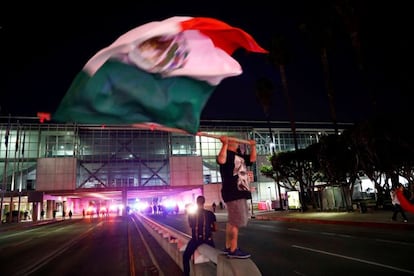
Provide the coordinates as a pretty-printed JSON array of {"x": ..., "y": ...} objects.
[
  {"x": 238, "y": 254},
  {"x": 225, "y": 251}
]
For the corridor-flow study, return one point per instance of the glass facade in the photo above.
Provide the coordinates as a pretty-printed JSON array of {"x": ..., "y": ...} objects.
[
  {"x": 58, "y": 160},
  {"x": 122, "y": 156}
]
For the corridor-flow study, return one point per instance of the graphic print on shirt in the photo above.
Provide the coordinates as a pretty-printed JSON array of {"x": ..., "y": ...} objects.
[{"x": 240, "y": 170}]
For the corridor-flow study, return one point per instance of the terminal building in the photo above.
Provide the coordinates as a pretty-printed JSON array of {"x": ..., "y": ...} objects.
[{"x": 50, "y": 169}]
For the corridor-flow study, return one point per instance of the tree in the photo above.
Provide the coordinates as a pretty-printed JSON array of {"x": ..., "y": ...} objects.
[
  {"x": 338, "y": 163},
  {"x": 264, "y": 94},
  {"x": 297, "y": 170},
  {"x": 318, "y": 25},
  {"x": 384, "y": 149},
  {"x": 279, "y": 55}
]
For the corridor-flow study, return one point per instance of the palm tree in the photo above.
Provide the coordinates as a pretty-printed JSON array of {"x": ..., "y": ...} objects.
[
  {"x": 264, "y": 94},
  {"x": 279, "y": 56},
  {"x": 318, "y": 25},
  {"x": 350, "y": 13}
]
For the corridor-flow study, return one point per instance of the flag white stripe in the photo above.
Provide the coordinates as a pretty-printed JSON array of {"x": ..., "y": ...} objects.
[{"x": 204, "y": 61}]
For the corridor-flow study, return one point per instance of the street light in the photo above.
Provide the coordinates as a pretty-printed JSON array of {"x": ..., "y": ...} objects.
[
  {"x": 253, "y": 188},
  {"x": 270, "y": 198}
]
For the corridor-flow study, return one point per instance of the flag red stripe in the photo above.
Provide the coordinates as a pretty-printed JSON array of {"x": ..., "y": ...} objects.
[
  {"x": 405, "y": 204},
  {"x": 224, "y": 36}
]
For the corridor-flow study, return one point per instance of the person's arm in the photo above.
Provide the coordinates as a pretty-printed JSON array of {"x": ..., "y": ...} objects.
[
  {"x": 253, "y": 154},
  {"x": 213, "y": 223},
  {"x": 190, "y": 221},
  {"x": 222, "y": 156},
  {"x": 214, "y": 226}
]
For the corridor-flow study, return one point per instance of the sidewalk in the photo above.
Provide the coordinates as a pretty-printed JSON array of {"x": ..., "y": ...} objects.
[
  {"x": 28, "y": 224},
  {"x": 374, "y": 218}
]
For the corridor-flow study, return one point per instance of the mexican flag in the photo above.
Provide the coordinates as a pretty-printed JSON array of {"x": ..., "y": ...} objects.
[{"x": 161, "y": 72}]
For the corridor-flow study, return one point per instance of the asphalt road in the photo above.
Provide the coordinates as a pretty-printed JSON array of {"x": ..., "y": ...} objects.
[
  {"x": 22, "y": 251},
  {"x": 105, "y": 248},
  {"x": 302, "y": 248},
  {"x": 278, "y": 247},
  {"x": 99, "y": 246}
]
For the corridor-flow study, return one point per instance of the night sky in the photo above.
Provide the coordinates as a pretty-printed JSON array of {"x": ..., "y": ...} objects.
[{"x": 44, "y": 46}]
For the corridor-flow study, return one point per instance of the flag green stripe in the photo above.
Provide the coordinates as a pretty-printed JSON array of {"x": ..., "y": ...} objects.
[{"x": 119, "y": 93}]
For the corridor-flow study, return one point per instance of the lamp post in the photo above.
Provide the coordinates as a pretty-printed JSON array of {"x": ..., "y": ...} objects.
[
  {"x": 270, "y": 198},
  {"x": 253, "y": 188},
  {"x": 279, "y": 194},
  {"x": 270, "y": 193}
]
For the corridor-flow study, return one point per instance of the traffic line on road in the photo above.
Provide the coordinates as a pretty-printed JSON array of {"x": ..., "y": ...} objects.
[
  {"x": 396, "y": 242},
  {"x": 354, "y": 259}
]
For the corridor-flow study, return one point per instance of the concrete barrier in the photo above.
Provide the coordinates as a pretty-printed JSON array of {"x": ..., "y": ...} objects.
[{"x": 208, "y": 261}]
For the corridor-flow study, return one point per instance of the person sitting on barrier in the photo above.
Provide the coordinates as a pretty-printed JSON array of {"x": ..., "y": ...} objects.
[{"x": 202, "y": 223}]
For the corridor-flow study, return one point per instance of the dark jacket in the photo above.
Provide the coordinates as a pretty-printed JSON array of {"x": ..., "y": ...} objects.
[{"x": 202, "y": 225}]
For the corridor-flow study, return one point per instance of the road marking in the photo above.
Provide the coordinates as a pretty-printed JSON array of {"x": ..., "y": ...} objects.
[
  {"x": 354, "y": 259},
  {"x": 396, "y": 242},
  {"x": 336, "y": 235},
  {"x": 16, "y": 244},
  {"x": 351, "y": 236},
  {"x": 31, "y": 268}
]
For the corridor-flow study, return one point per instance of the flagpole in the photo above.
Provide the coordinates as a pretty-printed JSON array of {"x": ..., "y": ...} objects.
[
  {"x": 4, "y": 185},
  {"x": 6, "y": 161},
  {"x": 20, "y": 172},
  {"x": 152, "y": 126},
  {"x": 13, "y": 182}
]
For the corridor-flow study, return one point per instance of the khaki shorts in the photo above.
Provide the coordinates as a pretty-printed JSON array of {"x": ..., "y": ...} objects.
[{"x": 238, "y": 212}]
